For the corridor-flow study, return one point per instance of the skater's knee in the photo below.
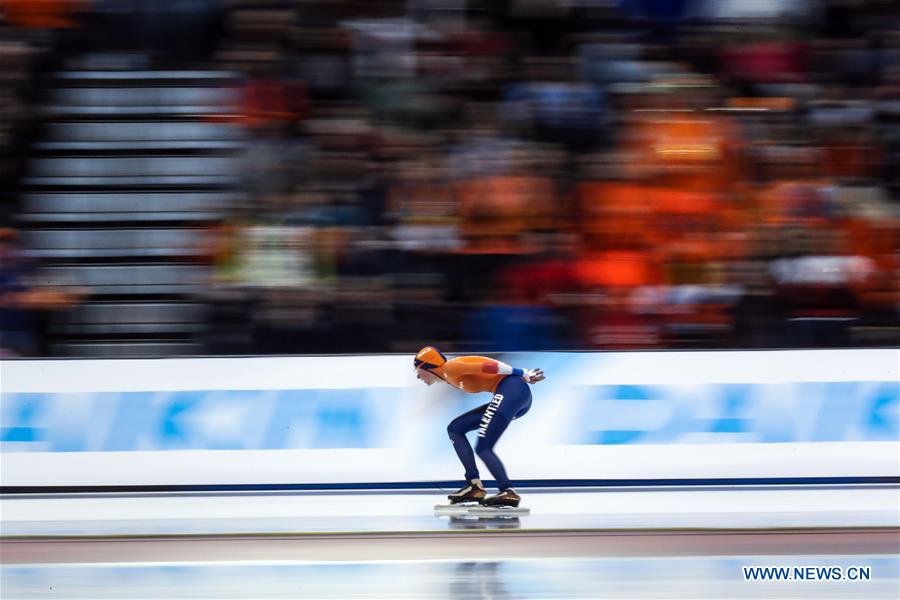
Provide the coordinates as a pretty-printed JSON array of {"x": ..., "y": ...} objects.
[
  {"x": 483, "y": 449},
  {"x": 453, "y": 431}
]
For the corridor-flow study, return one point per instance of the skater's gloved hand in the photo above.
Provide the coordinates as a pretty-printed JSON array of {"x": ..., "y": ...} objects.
[{"x": 533, "y": 375}]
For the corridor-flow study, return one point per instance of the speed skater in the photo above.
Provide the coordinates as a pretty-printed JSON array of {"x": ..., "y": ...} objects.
[{"x": 510, "y": 400}]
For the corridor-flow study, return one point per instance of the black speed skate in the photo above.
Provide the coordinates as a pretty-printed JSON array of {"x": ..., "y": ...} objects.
[
  {"x": 507, "y": 497},
  {"x": 473, "y": 491}
]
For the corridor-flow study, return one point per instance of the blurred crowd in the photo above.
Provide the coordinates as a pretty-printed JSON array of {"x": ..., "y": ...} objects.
[{"x": 530, "y": 174}]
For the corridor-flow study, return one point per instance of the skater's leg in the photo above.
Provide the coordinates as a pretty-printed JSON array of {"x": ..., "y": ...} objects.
[
  {"x": 485, "y": 449},
  {"x": 457, "y": 430},
  {"x": 511, "y": 401}
]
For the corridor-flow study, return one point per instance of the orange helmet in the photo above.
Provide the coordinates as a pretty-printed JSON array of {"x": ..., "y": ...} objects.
[{"x": 429, "y": 358}]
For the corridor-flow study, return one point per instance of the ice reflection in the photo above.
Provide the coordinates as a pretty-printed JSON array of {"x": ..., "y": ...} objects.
[
  {"x": 539, "y": 577},
  {"x": 479, "y": 580},
  {"x": 479, "y": 522}
]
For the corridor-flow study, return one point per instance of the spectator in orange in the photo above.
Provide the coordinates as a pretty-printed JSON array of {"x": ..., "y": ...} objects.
[
  {"x": 498, "y": 211},
  {"x": 42, "y": 14},
  {"x": 686, "y": 147}
]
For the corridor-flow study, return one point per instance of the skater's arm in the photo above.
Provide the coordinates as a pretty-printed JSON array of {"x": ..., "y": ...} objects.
[
  {"x": 470, "y": 365},
  {"x": 474, "y": 365},
  {"x": 501, "y": 368}
]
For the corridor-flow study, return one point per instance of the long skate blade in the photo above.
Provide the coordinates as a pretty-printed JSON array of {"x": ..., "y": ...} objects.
[
  {"x": 493, "y": 511},
  {"x": 455, "y": 509},
  {"x": 480, "y": 511}
]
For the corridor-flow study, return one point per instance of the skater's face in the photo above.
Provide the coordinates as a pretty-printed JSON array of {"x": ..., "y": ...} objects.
[{"x": 427, "y": 376}]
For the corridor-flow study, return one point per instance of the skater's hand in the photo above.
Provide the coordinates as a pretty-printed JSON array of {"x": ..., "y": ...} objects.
[{"x": 533, "y": 375}]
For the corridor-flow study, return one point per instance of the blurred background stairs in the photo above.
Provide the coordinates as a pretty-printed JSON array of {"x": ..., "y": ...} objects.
[{"x": 130, "y": 170}]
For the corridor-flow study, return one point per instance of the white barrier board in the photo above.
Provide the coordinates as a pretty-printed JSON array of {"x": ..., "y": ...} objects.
[{"x": 366, "y": 419}]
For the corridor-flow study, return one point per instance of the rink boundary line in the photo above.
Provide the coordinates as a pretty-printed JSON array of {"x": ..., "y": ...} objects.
[
  {"x": 436, "y": 533},
  {"x": 429, "y": 491},
  {"x": 441, "y": 486}
]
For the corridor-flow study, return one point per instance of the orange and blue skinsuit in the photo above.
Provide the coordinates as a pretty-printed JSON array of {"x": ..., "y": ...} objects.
[{"x": 511, "y": 399}]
